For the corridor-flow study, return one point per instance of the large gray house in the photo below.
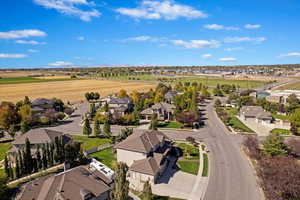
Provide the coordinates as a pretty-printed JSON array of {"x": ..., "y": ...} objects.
[
  {"x": 146, "y": 154},
  {"x": 164, "y": 111}
]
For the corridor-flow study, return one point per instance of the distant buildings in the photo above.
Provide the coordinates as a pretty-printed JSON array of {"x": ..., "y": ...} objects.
[
  {"x": 280, "y": 96},
  {"x": 255, "y": 113}
]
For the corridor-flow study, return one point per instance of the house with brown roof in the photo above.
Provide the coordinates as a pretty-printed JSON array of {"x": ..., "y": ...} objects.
[
  {"x": 255, "y": 113},
  {"x": 37, "y": 137},
  {"x": 78, "y": 183},
  {"x": 164, "y": 111},
  {"x": 146, "y": 154}
]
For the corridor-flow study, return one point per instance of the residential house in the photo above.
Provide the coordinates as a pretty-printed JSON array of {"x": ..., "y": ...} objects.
[
  {"x": 78, "y": 183},
  {"x": 146, "y": 154},
  {"x": 170, "y": 96},
  {"x": 41, "y": 105},
  {"x": 275, "y": 99},
  {"x": 255, "y": 113},
  {"x": 118, "y": 105},
  {"x": 164, "y": 111},
  {"x": 37, "y": 137}
]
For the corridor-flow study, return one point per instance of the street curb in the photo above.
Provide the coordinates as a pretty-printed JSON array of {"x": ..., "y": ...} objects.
[{"x": 262, "y": 194}]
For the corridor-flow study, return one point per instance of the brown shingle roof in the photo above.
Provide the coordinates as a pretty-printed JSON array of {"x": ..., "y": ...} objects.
[
  {"x": 255, "y": 111},
  {"x": 142, "y": 142},
  {"x": 150, "y": 165}
]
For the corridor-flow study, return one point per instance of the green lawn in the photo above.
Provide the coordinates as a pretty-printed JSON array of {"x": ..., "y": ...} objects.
[
  {"x": 106, "y": 156},
  {"x": 205, "y": 165},
  {"x": 239, "y": 126},
  {"x": 4, "y": 147},
  {"x": 16, "y": 80},
  {"x": 193, "y": 151},
  {"x": 172, "y": 124},
  {"x": 189, "y": 167},
  {"x": 89, "y": 143},
  {"x": 232, "y": 111},
  {"x": 281, "y": 131},
  {"x": 202, "y": 147},
  {"x": 282, "y": 117}
]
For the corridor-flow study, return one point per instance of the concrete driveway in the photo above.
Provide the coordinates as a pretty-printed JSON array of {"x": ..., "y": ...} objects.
[{"x": 175, "y": 183}]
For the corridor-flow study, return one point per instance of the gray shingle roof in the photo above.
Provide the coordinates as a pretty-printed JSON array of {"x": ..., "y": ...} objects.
[
  {"x": 39, "y": 136},
  {"x": 255, "y": 111}
]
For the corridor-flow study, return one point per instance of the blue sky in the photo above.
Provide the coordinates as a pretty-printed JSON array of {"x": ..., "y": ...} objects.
[{"x": 63, "y": 33}]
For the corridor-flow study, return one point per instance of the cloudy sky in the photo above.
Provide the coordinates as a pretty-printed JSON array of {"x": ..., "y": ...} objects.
[{"x": 58, "y": 33}]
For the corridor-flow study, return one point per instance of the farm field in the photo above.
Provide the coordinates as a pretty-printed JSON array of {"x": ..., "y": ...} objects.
[
  {"x": 15, "y": 80},
  {"x": 71, "y": 90},
  {"x": 206, "y": 80},
  {"x": 291, "y": 86}
]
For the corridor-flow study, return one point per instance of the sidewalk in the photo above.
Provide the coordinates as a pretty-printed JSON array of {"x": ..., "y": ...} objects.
[{"x": 200, "y": 186}]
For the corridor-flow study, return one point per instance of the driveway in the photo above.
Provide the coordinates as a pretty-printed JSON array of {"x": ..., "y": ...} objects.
[{"x": 175, "y": 183}]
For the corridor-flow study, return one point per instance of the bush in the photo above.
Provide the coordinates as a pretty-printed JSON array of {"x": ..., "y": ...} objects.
[{"x": 44, "y": 120}]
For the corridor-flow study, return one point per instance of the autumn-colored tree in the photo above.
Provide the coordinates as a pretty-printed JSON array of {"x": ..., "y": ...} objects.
[
  {"x": 25, "y": 113},
  {"x": 122, "y": 94},
  {"x": 8, "y": 115}
]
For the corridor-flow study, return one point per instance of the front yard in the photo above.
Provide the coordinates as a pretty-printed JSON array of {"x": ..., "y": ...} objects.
[
  {"x": 90, "y": 142},
  {"x": 189, "y": 162},
  {"x": 172, "y": 124},
  {"x": 106, "y": 156},
  {"x": 189, "y": 167},
  {"x": 228, "y": 116},
  {"x": 281, "y": 131}
]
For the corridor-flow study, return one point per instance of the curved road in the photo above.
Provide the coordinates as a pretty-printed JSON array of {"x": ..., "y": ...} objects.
[{"x": 231, "y": 176}]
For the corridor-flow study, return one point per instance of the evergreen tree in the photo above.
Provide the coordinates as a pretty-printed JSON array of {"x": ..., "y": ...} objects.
[
  {"x": 87, "y": 130},
  {"x": 28, "y": 157},
  {"x": 39, "y": 158},
  {"x": 18, "y": 171},
  {"x": 22, "y": 167},
  {"x": 6, "y": 167},
  {"x": 153, "y": 123},
  {"x": 48, "y": 155},
  {"x": 34, "y": 165},
  {"x": 97, "y": 128},
  {"x": 274, "y": 145},
  {"x": 44, "y": 158},
  {"x": 92, "y": 110},
  {"x": 106, "y": 128},
  {"x": 147, "y": 191},
  {"x": 121, "y": 189}
]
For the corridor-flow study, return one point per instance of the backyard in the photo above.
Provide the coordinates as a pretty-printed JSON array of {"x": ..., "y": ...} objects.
[
  {"x": 4, "y": 147},
  {"x": 90, "y": 142},
  {"x": 106, "y": 156}
]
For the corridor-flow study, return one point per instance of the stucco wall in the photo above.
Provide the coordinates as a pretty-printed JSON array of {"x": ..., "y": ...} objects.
[{"x": 129, "y": 156}]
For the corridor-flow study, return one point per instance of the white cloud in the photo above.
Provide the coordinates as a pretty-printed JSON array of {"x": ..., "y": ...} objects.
[
  {"x": 166, "y": 9},
  {"x": 33, "y": 51},
  {"x": 252, "y": 26},
  {"x": 244, "y": 39},
  {"x": 220, "y": 27},
  {"x": 60, "y": 64},
  {"x": 3, "y": 55},
  {"x": 143, "y": 38},
  {"x": 72, "y": 7},
  {"x": 229, "y": 59},
  {"x": 293, "y": 54},
  {"x": 197, "y": 44},
  {"x": 206, "y": 55},
  {"x": 234, "y": 49},
  {"x": 22, "y": 34},
  {"x": 81, "y": 38},
  {"x": 31, "y": 42}
]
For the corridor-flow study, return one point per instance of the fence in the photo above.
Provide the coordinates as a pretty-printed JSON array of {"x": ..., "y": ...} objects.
[{"x": 96, "y": 149}]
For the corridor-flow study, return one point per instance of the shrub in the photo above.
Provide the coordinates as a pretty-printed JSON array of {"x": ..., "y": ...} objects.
[{"x": 44, "y": 120}]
